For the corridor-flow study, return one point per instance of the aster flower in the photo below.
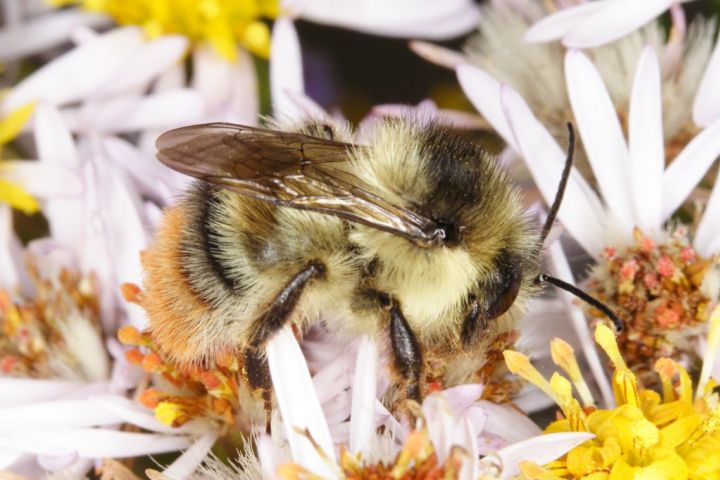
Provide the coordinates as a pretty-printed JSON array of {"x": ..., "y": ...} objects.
[
  {"x": 536, "y": 71},
  {"x": 57, "y": 356},
  {"x": 673, "y": 434},
  {"x": 53, "y": 361},
  {"x": 637, "y": 191},
  {"x": 451, "y": 434},
  {"x": 592, "y": 25}
]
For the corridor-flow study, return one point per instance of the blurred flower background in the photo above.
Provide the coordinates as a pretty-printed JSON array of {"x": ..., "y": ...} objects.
[{"x": 88, "y": 85}]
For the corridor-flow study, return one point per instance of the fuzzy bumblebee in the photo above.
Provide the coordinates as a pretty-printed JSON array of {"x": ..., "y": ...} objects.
[{"x": 417, "y": 236}]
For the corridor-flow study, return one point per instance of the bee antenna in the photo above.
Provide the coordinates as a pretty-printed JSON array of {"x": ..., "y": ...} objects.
[
  {"x": 561, "y": 186},
  {"x": 585, "y": 297}
]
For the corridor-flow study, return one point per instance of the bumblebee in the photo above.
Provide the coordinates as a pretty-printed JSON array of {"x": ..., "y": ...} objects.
[{"x": 417, "y": 236}]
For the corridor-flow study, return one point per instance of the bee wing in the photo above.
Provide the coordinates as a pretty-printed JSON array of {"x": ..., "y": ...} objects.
[{"x": 289, "y": 169}]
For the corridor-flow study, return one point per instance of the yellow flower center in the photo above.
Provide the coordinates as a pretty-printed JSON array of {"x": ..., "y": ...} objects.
[
  {"x": 221, "y": 23},
  {"x": 648, "y": 436}
]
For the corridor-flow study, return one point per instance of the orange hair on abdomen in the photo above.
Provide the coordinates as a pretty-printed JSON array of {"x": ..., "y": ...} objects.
[{"x": 174, "y": 308}]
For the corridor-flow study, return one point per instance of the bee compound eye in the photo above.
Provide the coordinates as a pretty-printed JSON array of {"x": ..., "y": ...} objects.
[
  {"x": 501, "y": 293},
  {"x": 448, "y": 231}
]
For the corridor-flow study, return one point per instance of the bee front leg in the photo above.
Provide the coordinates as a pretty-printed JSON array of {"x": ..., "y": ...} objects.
[
  {"x": 275, "y": 317},
  {"x": 406, "y": 350}
]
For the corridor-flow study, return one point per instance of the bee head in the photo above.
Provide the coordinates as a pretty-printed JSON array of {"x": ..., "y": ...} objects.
[{"x": 487, "y": 246}]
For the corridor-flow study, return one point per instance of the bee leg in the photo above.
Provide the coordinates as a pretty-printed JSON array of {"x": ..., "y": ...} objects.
[
  {"x": 275, "y": 317},
  {"x": 474, "y": 324},
  {"x": 406, "y": 350},
  {"x": 258, "y": 376}
]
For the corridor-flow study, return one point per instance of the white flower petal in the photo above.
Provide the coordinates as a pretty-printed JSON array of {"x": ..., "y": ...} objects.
[
  {"x": 163, "y": 110},
  {"x": 59, "y": 462},
  {"x": 171, "y": 78},
  {"x": 21, "y": 391},
  {"x": 601, "y": 133},
  {"x": 146, "y": 172},
  {"x": 556, "y": 26},
  {"x": 270, "y": 456},
  {"x": 148, "y": 62},
  {"x": 191, "y": 458},
  {"x": 706, "y": 107},
  {"x": 11, "y": 441},
  {"x": 484, "y": 93},
  {"x": 53, "y": 139},
  {"x": 10, "y": 253},
  {"x": 334, "y": 377},
  {"x": 298, "y": 403},
  {"x": 646, "y": 145},
  {"x": 41, "y": 179},
  {"x": 66, "y": 78},
  {"x": 541, "y": 449},
  {"x": 92, "y": 442},
  {"x": 561, "y": 269},
  {"x": 212, "y": 76},
  {"x": 243, "y": 105},
  {"x": 689, "y": 167},
  {"x": 507, "y": 422},
  {"x": 438, "y": 55},
  {"x": 439, "y": 420},
  {"x": 581, "y": 211},
  {"x": 55, "y": 147},
  {"x": 120, "y": 224},
  {"x": 364, "y": 390},
  {"x": 286, "y": 68},
  {"x": 37, "y": 34},
  {"x": 400, "y": 18},
  {"x": 59, "y": 413},
  {"x": 614, "y": 19},
  {"x": 707, "y": 235},
  {"x": 470, "y": 467},
  {"x": 462, "y": 397}
]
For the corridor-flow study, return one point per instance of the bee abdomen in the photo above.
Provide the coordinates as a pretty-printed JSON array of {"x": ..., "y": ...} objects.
[
  {"x": 181, "y": 321},
  {"x": 209, "y": 273}
]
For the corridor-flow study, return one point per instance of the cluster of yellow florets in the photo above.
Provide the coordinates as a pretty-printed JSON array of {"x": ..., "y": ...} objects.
[
  {"x": 38, "y": 333},
  {"x": 222, "y": 23},
  {"x": 670, "y": 435},
  {"x": 218, "y": 393}
]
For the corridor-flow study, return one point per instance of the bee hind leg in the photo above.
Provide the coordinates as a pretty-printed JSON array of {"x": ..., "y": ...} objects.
[{"x": 275, "y": 317}]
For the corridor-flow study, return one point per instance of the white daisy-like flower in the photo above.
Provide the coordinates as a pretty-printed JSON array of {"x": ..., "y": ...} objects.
[
  {"x": 637, "y": 190},
  {"x": 455, "y": 430},
  {"x": 54, "y": 361},
  {"x": 536, "y": 71},
  {"x": 48, "y": 414}
]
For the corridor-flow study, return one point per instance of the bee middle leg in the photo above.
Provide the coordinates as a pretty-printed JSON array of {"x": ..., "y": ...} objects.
[
  {"x": 275, "y": 317},
  {"x": 406, "y": 351}
]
